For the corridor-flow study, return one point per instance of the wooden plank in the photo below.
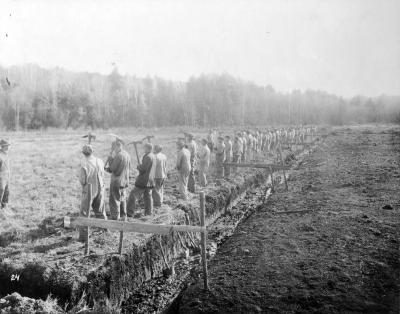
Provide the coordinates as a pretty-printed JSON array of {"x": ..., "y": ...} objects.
[
  {"x": 203, "y": 239},
  {"x": 127, "y": 226},
  {"x": 252, "y": 165}
]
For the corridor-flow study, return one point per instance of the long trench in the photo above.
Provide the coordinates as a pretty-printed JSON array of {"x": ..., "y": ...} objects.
[{"x": 163, "y": 294}]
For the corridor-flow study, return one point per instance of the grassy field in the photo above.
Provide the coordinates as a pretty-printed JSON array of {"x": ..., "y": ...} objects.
[{"x": 45, "y": 168}]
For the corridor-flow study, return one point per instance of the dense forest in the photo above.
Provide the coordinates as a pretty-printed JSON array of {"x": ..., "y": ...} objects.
[{"x": 34, "y": 98}]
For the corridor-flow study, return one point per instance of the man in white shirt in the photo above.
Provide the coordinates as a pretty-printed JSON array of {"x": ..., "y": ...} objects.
[
  {"x": 228, "y": 155},
  {"x": 183, "y": 167},
  {"x": 91, "y": 173},
  {"x": 204, "y": 162},
  {"x": 220, "y": 157}
]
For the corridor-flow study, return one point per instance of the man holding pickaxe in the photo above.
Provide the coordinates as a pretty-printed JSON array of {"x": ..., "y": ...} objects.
[
  {"x": 118, "y": 164},
  {"x": 144, "y": 183},
  {"x": 91, "y": 178}
]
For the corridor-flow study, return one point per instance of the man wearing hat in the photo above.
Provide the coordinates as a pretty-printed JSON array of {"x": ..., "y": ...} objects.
[
  {"x": 183, "y": 167},
  {"x": 237, "y": 149},
  {"x": 210, "y": 139},
  {"x": 119, "y": 163},
  {"x": 160, "y": 176},
  {"x": 91, "y": 174},
  {"x": 244, "y": 150},
  {"x": 220, "y": 157},
  {"x": 204, "y": 162},
  {"x": 144, "y": 183},
  {"x": 192, "y": 147},
  {"x": 228, "y": 155},
  {"x": 4, "y": 172}
]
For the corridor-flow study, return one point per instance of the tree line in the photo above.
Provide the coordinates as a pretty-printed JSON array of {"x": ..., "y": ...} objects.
[{"x": 35, "y": 98}]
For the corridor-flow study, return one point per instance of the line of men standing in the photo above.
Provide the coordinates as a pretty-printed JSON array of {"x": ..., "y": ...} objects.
[
  {"x": 152, "y": 170},
  {"x": 190, "y": 157},
  {"x": 149, "y": 182}
]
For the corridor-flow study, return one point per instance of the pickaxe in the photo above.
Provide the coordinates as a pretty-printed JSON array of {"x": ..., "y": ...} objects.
[
  {"x": 135, "y": 143},
  {"x": 148, "y": 138},
  {"x": 90, "y": 136}
]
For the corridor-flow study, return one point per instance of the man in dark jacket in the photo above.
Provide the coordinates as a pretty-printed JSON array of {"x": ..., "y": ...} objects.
[
  {"x": 118, "y": 163},
  {"x": 144, "y": 183}
]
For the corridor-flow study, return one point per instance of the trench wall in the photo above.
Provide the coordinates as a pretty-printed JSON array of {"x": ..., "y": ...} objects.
[{"x": 119, "y": 275}]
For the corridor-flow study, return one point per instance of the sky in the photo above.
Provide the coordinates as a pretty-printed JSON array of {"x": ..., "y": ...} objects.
[{"x": 346, "y": 47}]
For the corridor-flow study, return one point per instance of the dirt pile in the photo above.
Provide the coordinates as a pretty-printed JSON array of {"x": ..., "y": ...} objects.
[{"x": 15, "y": 303}]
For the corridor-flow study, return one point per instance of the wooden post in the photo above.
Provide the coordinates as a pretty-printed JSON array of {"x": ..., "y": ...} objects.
[
  {"x": 283, "y": 170},
  {"x": 203, "y": 239},
  {"x": 88, "y": 216}
]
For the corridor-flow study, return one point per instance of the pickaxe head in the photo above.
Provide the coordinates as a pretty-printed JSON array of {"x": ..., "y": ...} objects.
[
  {"x": 90, "y": 137},
  {"x": 148, "y": 138},
  {"x": 135, "y": 142}
]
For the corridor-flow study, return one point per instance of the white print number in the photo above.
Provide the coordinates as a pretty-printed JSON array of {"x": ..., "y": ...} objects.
[{"x": 14, "y": 277}]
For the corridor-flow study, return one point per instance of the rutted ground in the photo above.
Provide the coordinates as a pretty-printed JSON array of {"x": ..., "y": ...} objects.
[{"x": 329, "y": 245}]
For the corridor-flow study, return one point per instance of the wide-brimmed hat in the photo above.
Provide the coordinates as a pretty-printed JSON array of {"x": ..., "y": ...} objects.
[{"x": 4, "y": 143}]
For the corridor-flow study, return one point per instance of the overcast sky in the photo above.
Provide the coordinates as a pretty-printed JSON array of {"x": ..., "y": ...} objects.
[{"x": 345, "y": 47}]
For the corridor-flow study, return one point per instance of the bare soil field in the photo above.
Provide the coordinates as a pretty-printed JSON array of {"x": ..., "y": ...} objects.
[{"x": 328, "y": 245}]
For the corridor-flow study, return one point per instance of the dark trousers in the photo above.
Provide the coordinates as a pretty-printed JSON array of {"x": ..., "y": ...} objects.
[
  {"x": 117, "y": 201},
  {"x": 191, "y": 179},
  {"x": 158, "y": 192},
  {"x": 148, "y": 200}
]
